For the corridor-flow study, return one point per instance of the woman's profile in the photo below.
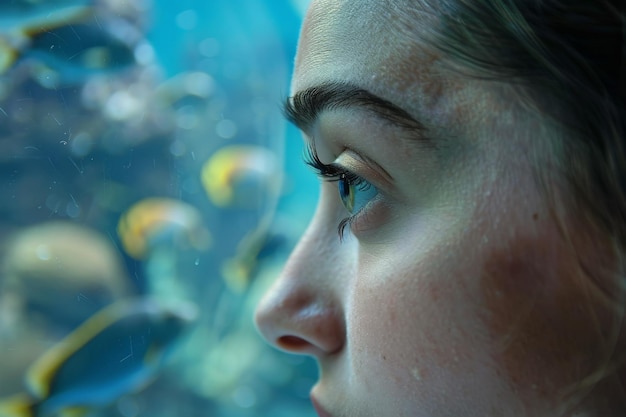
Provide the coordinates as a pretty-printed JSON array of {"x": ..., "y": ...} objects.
[{"x": 467, "y": 254}]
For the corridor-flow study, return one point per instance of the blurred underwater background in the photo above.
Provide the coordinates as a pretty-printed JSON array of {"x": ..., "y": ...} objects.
[{"x": 150, "y": 191}]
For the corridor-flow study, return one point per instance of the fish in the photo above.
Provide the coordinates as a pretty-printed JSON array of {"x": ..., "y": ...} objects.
[
  {"x": 78, "y": 51},
  {"x": 241, "y": 176},
  {"x": 19, "y": 22},
  {"x": 257, "y": 246},
  {"x": 156, "y": 218},
  {"x": 40, "y": 14},
  {"x": 117, "y": 351}
]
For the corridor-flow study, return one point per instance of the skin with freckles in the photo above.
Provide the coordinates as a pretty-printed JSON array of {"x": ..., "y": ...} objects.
[{"x": 452, "y": 292}]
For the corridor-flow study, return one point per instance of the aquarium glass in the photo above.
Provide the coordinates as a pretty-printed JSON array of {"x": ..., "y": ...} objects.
[{"x": 150, "y": 191}]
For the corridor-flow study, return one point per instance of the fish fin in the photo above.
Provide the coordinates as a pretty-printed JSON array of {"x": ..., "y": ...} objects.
[
  {"x": 41, "y": 373},
  {"x": 56, "y": 18},
  {"x": 8, "y": 56},
  {"x": 20, "y": 405},
  {"x": 78, "y": 411},
  {"x": 236, "y": 273}
]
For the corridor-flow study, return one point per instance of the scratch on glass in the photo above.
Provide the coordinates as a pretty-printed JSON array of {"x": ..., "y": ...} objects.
[{"x": 130, "y": 340}]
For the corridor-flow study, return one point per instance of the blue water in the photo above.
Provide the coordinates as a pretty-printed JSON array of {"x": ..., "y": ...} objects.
[
  {"x": 83, "y": 141},
  {"x": 258, "y": 35}
]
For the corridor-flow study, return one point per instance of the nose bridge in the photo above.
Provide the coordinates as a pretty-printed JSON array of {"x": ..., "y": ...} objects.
[{"x": 302, "y": 311}]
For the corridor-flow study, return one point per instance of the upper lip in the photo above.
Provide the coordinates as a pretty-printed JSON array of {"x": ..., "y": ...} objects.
[{"x": 321, "y": 412}]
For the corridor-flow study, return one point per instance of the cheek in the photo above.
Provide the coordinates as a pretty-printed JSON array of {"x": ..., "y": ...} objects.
[
  {"x": 542, "y": 316},
  {"x": 414, "y": 333}
]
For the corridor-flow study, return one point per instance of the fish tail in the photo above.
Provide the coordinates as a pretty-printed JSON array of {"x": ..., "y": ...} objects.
[
  {"x": 20, "y": 405},
  {"x": 8, "y": 56}
]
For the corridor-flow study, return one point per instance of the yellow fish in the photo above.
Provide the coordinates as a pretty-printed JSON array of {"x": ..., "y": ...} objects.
[
  {"x": 241, "y": 176},
  {"x": 151, "y": 217},
  {"x": 118, "y": 350}
]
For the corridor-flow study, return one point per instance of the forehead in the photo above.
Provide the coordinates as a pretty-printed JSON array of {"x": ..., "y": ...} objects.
[{"x": 376, "y": 44}]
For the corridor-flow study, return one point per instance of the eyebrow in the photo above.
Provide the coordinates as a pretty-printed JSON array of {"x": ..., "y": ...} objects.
[{"x": 304, "y": 107}]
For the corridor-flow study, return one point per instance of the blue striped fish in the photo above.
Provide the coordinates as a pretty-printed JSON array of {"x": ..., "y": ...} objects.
[{"x": 117, "y": 351}]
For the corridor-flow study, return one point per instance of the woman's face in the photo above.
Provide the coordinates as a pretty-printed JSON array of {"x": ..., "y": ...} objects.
[{"x": 451, "y": 292}]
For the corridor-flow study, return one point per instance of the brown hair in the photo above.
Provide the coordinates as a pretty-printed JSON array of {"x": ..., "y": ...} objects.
[{"x": 567, "y": 59}]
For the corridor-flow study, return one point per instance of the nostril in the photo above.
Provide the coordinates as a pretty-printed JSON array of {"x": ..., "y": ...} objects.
[
  {"x": 300, "y": 319},
  {"x": 292, "y": 343}
]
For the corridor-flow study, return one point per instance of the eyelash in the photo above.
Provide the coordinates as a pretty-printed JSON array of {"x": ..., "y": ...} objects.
[{"x": 333, "y": 172}]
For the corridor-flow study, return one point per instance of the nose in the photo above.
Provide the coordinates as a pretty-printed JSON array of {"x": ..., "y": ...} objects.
[{"x": 302, "y": 312}]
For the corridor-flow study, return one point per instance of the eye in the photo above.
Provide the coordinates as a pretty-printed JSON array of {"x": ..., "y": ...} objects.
[{"x": 355, "y": 192}]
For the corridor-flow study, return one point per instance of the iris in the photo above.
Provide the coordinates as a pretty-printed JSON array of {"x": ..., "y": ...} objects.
[{"x": 355, "y": 192}]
